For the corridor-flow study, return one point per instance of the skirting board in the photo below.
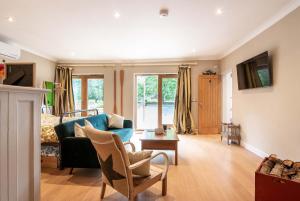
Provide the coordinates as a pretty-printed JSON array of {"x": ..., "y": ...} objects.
[{"x": 254, "y": 150}]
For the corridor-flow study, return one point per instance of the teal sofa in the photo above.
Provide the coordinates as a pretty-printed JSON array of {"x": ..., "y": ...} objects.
[{"x": 78, "y": 152}]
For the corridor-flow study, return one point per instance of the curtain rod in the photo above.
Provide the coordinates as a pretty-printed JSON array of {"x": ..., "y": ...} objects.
[
  {"x": 125, "y": 65},
  {"x": 158, "y": 64},
  {"x": 85, "y": 64}
]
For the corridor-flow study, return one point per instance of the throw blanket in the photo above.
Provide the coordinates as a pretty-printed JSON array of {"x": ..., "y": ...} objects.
[{"x": 48, "y": 122}]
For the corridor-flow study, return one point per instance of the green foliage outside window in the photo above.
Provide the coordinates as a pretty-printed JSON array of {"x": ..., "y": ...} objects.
[
  {"x": 95, "y": 93},
  {"x": 147, "y": 87}
]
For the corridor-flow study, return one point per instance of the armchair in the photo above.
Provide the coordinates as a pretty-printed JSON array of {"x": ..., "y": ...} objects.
[{"x": 117, "y": 170}]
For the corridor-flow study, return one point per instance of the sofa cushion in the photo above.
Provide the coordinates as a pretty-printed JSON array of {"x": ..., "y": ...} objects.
[
  {"x": 78, "y": 130},
  {"x": 124, "y": 133},
  {"x": 115, "y": 121}
]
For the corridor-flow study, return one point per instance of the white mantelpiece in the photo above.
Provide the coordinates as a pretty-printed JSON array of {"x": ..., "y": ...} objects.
[{"x": 20, "y": 111}]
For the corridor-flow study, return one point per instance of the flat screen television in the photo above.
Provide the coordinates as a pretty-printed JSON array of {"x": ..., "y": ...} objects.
[{"x": 255, "y": 72}]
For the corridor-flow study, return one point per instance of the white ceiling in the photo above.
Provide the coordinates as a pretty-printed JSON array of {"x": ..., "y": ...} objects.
[{"x": 56, "y": 28}]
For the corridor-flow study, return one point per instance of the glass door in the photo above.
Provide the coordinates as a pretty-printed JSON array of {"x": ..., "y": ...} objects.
[
  {"x": 95, "y": 94},
  {"x": 147, "y": 101},
  {"x": 169, "y": 88},
  {"x": 77, "y": 93},
  {"x": 155, "y": 98}
]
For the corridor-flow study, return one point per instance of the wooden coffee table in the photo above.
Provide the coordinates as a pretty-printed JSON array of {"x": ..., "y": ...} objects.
[{"x": 168, "y": 141}]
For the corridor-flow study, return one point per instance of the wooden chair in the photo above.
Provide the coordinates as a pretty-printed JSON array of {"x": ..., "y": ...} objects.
[{"x": 116, "y": 169}]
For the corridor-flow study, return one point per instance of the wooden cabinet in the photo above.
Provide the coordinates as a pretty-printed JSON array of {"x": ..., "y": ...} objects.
[
  {"x": 209, "y": 103},
  {"x": 20, "y": 143}
]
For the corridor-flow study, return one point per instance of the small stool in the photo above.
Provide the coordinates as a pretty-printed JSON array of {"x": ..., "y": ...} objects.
[{"x": 231, "y": 132}]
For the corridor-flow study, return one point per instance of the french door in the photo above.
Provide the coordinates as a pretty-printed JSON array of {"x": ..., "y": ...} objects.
[
  {"x": 88, "y": 92},
  {"x": 155, "y": 100}
]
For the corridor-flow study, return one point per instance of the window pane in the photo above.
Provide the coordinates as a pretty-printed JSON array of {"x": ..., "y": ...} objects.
[
  {"x": 169, "y": 87},
  {"x": 77, "y": 93},
  {"x": 147, "y": 102},
  {"x": 95, "y": 94}
]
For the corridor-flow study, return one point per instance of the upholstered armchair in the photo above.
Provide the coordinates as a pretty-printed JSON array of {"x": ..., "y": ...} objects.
[{"x": 117, "y": 170}]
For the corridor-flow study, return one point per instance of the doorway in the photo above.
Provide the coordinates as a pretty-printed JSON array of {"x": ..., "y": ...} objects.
[
  {"x": 155, "y": 100},
  {"x": 227, "y": 97}
]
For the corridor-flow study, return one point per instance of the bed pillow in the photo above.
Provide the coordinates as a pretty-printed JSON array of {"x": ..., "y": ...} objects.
[
  {"x": 79, "y": 130},
  {"x": 135, "y": 157},
  {"x": 115, "y": 121}
]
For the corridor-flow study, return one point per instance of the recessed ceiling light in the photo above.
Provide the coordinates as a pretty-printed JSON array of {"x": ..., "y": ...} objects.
[
  {"x": 10, "y": 19},
  {"x": 219, "y": 11},
  {"x": 194, "y": 50},
  {"x": 117, "y": 15},
  {"x": 73, "y": 54}
]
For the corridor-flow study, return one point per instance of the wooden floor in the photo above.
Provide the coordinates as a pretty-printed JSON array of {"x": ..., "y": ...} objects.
[{"x": 208, "y": 171}]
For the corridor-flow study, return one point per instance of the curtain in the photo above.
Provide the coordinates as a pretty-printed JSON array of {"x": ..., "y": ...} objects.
[
  {"x": 183, "y": 120},
  {"x": 64, "y": 97}
]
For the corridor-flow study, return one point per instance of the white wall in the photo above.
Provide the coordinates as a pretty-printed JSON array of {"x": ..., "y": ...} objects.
[
  {"x": 129, "y": 85},
  {"x": 269, "y": 117}
]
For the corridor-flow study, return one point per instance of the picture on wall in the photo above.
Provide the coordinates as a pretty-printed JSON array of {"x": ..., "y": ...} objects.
[{"x": 50, "y": 95}]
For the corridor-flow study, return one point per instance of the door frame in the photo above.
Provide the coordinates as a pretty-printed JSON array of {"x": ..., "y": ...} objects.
[{"x": 159, "y": 95}]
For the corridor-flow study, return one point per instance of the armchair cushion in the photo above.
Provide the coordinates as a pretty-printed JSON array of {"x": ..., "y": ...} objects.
[{"x": 135, "y": 157}]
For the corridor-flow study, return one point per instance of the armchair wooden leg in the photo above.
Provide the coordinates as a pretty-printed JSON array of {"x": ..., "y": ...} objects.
[
  {"x": 71, "y": 171},
  {"x": 132, "y": 198},
  {"x": 164, "y": 186},
  {"x": 103, "y": 190}
]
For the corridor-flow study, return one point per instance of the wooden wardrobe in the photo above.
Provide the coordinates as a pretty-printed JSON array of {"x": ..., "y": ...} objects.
[{"x": 209, "y": 104}]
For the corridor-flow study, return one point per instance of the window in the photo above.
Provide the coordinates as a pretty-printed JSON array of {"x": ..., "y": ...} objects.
[{"x": 88, "y": 92}]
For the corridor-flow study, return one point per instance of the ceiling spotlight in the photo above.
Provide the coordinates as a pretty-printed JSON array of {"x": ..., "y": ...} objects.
[
  {"x": 219, "y": 11},
  {"x": 73, "y": 54},
  {"x": 194, "y": 50},
  {"x": 10, "y": 19},
  {"x": 163, "y": 13},
  {"x": 117, "y": 15}
]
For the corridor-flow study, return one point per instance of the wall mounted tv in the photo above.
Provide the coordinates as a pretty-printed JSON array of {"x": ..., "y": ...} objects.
[{"x": 255, "y": 72}]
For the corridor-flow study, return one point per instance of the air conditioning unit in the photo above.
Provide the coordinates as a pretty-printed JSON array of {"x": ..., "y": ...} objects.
[{"x": 9, "y": 51}]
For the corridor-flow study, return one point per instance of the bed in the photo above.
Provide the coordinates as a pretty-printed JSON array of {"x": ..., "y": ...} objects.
[{"x": 48, "y": 122}]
